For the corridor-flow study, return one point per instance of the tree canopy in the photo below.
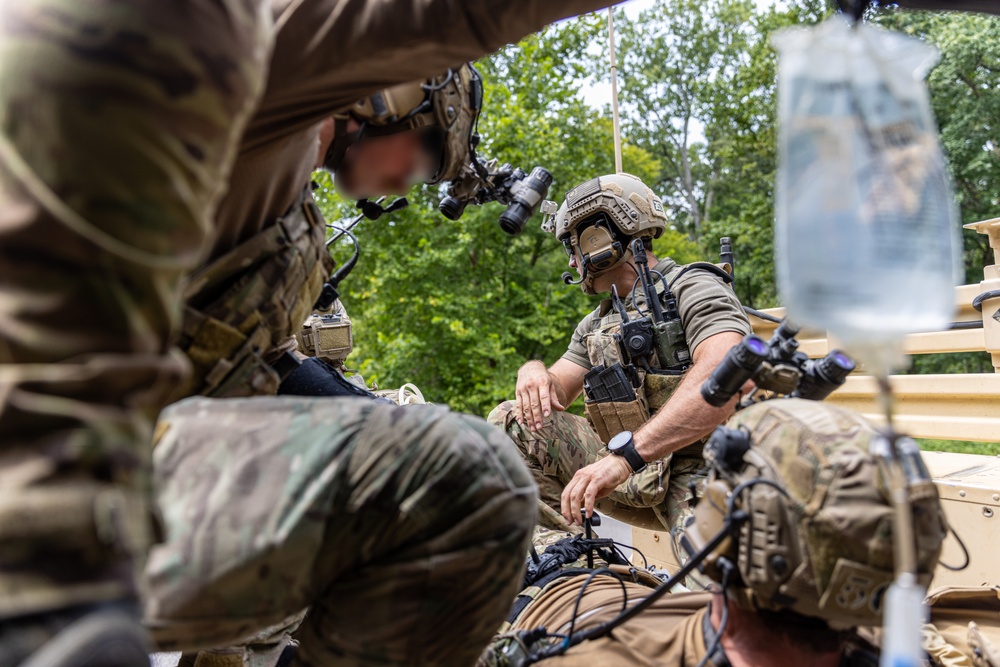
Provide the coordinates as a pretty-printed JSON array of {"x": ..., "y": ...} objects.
[{"x": 457, "y": 306}]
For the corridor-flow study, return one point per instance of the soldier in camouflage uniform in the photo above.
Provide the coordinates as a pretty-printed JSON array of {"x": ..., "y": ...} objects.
[
  {"x": 832, "y": 533},
  {"x": 154, "y": 160},
  {"x": 567, "y": 454}
]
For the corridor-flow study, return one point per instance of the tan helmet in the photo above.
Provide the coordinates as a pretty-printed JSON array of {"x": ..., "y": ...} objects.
[
  {"x": 819, "y": 535},
  {"x": 600, "y": 216},
  {"x": 450, "y": 102}
]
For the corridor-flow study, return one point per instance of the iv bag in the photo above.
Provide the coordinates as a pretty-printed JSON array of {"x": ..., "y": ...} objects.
[{"x": 866, "y": 235}]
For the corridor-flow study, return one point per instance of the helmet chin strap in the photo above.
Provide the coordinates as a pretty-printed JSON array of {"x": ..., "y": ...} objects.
[{"x": 342, "y": 140}]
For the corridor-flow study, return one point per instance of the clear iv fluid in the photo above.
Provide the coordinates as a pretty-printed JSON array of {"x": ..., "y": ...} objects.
[
  {"x": 866, "y": 235},
  {"x": 905, "y": 615}
]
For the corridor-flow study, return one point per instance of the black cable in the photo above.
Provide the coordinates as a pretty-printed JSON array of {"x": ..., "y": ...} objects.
[
  {"x": 348, "y": 266},
  {"x": 631, "y": 294},
  {"x": 717, "y": 639},
  {"x": 430, "y": 88},
  {"x": 977, "y": 303},
  {"x": 734, "y": 518},
  {"x": 583, "y": 589},
  {"x": 643, "y": 604},
  {"x": 759, "y": 314},
  {"x": 635, "y": 304},
  {"x": 353, "y": 223},
  {"x": 965, "y": 550},
  {"x": 645, "y": 563}
]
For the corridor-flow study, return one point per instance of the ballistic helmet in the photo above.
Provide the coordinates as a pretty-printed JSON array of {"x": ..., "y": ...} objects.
[
  {"x": 446, "y": 106},
  {"x": 818, "y": 538},
  {"x": 601, "y": 216}
]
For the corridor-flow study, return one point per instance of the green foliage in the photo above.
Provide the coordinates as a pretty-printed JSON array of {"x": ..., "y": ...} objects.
[
  {"x": 965, "y": 93},
  {"x": 457, "y": 307},
  {"x": 699, "y": 81},
  {"x": 960, "y": 446}
]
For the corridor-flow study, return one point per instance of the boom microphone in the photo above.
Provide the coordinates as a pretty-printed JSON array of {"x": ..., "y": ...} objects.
[{"x": 567, "y": 277}]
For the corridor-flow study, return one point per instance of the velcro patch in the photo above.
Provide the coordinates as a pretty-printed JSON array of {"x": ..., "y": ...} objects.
[{"x": 856, "y": 589}]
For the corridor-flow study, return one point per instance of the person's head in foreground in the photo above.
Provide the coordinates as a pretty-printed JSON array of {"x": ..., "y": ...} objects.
[
  {"x": 809, "y": 562},
  {"x": 419, "y": 132},
  {"x": 815, "y": 556}
]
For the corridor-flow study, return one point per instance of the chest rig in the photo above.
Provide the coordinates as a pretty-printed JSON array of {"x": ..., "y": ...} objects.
[
  {"x": 628, "y": 380},
  {"x": 241, "y": 308},
  {"x": 638, "y": 352}
]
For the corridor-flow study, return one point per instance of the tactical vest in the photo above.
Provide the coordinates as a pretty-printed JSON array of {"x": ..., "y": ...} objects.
[
  {"x": 242, "y": 307},
  {"x": 604, "y": 349}
]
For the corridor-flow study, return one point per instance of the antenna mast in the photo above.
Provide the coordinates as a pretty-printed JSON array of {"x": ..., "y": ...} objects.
[{"x": 614, "y": 92}]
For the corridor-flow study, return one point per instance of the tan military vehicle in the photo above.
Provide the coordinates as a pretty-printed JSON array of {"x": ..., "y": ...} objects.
[{"x": 950, "y": 407}]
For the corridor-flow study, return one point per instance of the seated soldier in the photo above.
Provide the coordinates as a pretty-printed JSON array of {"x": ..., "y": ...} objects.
[
  {"x": 598, "y": 223},
  {"x": 820, "y": 521}
]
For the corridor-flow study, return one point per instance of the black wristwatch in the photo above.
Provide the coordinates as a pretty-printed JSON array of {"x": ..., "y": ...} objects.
[{"x": 623, "y": 445}]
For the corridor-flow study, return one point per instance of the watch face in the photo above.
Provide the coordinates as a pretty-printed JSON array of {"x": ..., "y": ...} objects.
[{"x": 619, "y": 440}]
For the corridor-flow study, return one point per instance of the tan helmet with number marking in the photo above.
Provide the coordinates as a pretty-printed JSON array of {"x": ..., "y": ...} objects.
[{"x": 601, "y": 216}]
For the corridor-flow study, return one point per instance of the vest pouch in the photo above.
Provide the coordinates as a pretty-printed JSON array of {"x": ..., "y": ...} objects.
[
  {"x": 659, "y": 388},
  {"x": 611, "y": 418},
  {"x": 227, "y": 363},
  {"x": 244, "y": 305},
  {"x": 604, "y": 350}
]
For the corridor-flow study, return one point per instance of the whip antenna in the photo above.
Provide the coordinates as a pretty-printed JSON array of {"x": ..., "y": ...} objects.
[{"x": 614, "y": 92}]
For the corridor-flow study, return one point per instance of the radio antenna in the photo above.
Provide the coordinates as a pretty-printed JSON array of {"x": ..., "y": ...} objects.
[{"x": 614, "y": 92}]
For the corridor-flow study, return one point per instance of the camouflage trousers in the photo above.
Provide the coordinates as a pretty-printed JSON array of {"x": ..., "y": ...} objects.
[
  {"x": 566, "y": 443},
  {"x": 119, "y": 123},
  {"x": 402, "y": 530}
]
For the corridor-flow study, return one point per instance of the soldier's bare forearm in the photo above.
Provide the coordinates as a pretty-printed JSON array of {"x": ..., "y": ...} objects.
[{"x": 687, "y": 417}]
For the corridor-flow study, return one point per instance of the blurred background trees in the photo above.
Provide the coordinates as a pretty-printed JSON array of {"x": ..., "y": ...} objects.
[{"x": 457, "y": 307}]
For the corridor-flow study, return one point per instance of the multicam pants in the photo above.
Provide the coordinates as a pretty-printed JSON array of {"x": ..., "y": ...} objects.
[
  {"x": 402, "y": 529},
  {"x": 566, "y": 443}
]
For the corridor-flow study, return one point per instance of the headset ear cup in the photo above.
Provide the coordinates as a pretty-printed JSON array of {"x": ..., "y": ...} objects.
[
  {"x": 709, "y": 518},
  {"x": 767, "y": 554}
]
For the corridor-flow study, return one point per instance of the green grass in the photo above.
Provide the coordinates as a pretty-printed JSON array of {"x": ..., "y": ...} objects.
[{"x": 960, "y": 446}]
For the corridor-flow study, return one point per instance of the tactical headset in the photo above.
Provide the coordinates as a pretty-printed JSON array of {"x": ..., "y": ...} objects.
[
  {"x": 599, "y": 246},
  {"x": 790, "y": 541},
  {"x": 782, "y": 548}
]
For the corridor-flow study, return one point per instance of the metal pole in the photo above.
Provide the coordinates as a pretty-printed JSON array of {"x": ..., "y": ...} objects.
[{"x": 614, "y": 92}]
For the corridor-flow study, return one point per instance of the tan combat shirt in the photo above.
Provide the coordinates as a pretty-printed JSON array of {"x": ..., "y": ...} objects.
[
  {"x": 668, "y": 633},
  {"x": 707, "y": 307}
]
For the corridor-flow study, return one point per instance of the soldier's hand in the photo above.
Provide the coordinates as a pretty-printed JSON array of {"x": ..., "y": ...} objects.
[
  {"x": 592, "y": 483},
  {"x": 536, "y": 395}
]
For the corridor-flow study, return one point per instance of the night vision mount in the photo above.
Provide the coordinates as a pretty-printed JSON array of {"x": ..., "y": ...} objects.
[
  {"x": 483, "y": 181},
  {"x": 777, "y": 368}
]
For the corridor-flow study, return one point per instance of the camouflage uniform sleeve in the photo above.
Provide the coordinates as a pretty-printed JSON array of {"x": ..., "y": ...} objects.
[
  {"x": 331, "y": 53},
  {"x": 118, "y": 125},
  {"x": 577, "y": 350},
  {"x": 708, "y": 307}
]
